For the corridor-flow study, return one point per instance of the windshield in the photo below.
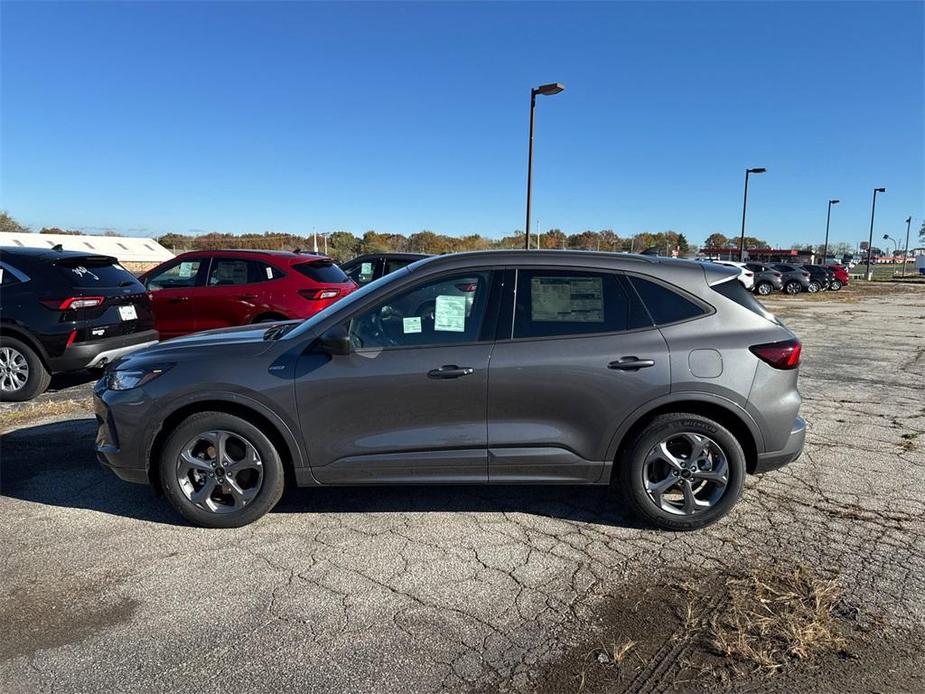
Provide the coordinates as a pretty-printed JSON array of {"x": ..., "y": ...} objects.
[{"x": 344, "y": 303}]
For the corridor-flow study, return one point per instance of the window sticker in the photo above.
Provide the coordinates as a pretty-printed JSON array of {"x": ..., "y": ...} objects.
[
  {"x": 366, "y": 268},
  {"x": 450, "y": 314},
  {"x": 567, "y": 299},
  {"x": 81, "y": 271},
  {"x": 411, "y": 325},
  {"x": 186, "y": 270},
  {"x": 269, "y": 272}
]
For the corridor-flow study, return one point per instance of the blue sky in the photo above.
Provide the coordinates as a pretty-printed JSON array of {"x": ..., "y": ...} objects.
[{"x": 157, "y": 117}]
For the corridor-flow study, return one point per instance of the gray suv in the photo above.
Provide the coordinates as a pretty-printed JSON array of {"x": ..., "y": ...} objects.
[{"x": 664, "y": 377}]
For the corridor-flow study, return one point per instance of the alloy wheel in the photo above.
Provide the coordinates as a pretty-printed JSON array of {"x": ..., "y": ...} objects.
[
  {"x": 813, "y": 287},
  {"x": 686, "y": 474},
  {"x": 220, "y": 471},
  {"x": 792, "y": 288},
  {"x": 764, "y": 289},
  {"x": 14, "y": 370}
]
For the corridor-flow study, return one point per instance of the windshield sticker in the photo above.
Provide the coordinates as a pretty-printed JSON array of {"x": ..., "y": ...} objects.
[
  {"x": 411, "y": 325},
  {"x": 567, "y": 299},
  {"x": 81, "y": 272},
  {"x": 450, "y": 314}
]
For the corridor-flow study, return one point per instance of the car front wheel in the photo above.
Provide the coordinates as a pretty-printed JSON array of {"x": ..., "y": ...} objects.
[
  {"x": 835, "y": 285},
  {"x": 682, "y": 472},
  {"x": 793, "y": 287},
  {"x": 764, "y": 288},
  {"x": 814, "y": 287},
  {"x": 220, "y": 471}
]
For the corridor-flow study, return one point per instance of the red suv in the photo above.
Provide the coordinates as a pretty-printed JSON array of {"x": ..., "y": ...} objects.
[
  {"x": 202, "y": 290},
  {"x": 841, "y": 276}
]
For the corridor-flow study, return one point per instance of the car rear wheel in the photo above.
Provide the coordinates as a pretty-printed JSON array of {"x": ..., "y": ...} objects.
[
  {"x": 764, "y": 288},
  {"x": 22, "y": 373},
  {"x": 814, "y": 287},
  {"x": 835, "y": 285},
  {"x": 682, "y": 472},
  {"x": 793, "y": 287},
  {"x": 220, "y": 471}
]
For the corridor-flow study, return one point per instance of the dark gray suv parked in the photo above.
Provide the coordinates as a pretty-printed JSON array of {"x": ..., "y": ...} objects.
[{"x": 532, "y": 367}]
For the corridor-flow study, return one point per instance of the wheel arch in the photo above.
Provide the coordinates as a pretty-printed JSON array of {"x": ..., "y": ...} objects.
[
  {"x": 275, "y": 429},
  {"x": 17, "y": 332},
  {"x": 722, "y": 411}
]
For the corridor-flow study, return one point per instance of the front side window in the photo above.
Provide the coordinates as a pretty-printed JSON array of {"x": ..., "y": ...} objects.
[
  {"x": 362, "y": 272},
  {"x": 393, "y": 264},
  {"x": 178, "y": 276},
  {"x": 564, "y": 302},
  {"x": 443, "y": 311}
]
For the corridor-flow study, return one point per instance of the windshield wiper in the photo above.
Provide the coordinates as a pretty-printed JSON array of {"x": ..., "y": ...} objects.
[{"x": 277, "y": 331}]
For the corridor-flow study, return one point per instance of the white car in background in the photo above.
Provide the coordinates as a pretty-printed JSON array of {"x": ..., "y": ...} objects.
[{"x": 746, "y": 276}]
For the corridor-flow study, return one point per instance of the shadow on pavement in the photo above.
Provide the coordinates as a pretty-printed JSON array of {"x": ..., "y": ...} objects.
[{"x": 55, "y": 464}]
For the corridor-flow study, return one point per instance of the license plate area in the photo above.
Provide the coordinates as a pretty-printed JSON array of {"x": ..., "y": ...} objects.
[{"x": 128, "y": 312}]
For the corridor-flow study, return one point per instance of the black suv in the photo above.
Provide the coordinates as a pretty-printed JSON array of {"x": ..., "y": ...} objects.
[
  {"x": 65, "y": 311},
  {"x": 365, "y": 268}
]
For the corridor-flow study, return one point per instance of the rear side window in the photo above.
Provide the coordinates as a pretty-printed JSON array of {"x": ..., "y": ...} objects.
[
  {"x": 362, "y": 272},
  {"x": 664, "y": 305},
  {"x": 733, "y": 289},
  {"x": 232, "y": 271},
  {"x": 94, "y": 272},
  {"x": 322, "y": 271},
  {"x": 554, "y": 303},
  {"x": 393, "y": 264}
]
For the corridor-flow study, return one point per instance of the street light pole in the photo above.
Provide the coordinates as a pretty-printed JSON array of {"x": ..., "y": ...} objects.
[
  {"x": 547, "y": 90},
  {"x": 870, "y": 237},
  {"x": 828, "y": 218},
  {"x": 906, "y": 248},
  {"x": 758, "y": 170}
]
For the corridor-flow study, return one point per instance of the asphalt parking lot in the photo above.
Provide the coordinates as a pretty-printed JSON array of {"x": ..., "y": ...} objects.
[{"x": 504, "y": 589}]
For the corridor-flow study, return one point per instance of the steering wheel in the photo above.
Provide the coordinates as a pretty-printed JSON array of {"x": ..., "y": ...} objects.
[{"x": 378, "y": 319}]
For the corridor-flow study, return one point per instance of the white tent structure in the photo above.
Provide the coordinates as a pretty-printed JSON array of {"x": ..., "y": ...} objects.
[{"x": 132, "y": 252}]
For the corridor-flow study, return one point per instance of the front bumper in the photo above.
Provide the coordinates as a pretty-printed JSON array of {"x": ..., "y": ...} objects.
[
  {"x": 789, "y": 453},
  {"x": 116, "y": 447},
  {"x": 86, "y": 355}
]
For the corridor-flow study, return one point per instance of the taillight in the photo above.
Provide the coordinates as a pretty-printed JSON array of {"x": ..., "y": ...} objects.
[
  {"x": 75, "y": 302},
  {"x": 467, "y": 286},
  {"x": 806, "y": 275},
  {"x": 780, "y": 355},
  {"x": 777, "y": 274},
  {"x": 318, "y": 294}
]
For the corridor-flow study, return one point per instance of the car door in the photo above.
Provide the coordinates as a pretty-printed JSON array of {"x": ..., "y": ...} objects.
[
  {"x": 173, "y": 289},
  {"x": 408, "y": 403},
  {"x": 581, "y": 356},
  {"x": 231, "y": 295}
]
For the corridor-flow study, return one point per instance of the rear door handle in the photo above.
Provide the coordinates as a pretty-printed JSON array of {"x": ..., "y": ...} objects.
[
  {"x": 450, "y": 371},
  {"x": 179, "y": 299},
  {"x": 630, "y": 364},
  {"x": 248, "y": 297}
]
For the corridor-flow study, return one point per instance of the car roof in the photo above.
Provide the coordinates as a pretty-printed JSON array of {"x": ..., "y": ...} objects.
[
  {"x": 392, "y": 255},
  {"x": 45, "y": 253},
  {"x": 290, "y": 256}
]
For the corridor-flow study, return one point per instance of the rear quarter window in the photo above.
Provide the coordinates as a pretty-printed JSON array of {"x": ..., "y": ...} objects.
[
  {"x": 733, "y": 289},
  {"x": 322, "y": 271},
  {"x": 666, "y": 305}
]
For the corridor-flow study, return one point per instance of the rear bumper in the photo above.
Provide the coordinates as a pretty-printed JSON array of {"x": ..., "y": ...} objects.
[
  {"x": 84, "y": 355},
  {"x": 790, "y": 452}
]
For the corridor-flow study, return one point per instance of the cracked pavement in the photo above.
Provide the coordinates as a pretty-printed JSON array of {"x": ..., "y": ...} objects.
[{"x": 435, "y": 589}]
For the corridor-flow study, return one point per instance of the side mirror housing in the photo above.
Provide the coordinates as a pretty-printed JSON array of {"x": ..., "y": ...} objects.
[{"x": 335, "y": 340}]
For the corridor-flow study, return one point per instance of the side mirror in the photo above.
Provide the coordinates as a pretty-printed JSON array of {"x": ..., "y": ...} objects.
[{"x": 335, "y": 340}]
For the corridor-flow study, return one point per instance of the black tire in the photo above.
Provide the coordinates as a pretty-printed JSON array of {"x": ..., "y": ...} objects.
[
  {"x": 793, "y": 287},
  {"x": 630, "y": 470},
  {"x": 835, "y": 285},
  {"x": 764, "y": 289},
  {"x": 37, "y": 379},
  {"x": 270, "y": 490}
]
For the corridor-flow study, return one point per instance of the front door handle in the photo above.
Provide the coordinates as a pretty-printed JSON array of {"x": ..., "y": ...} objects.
[
  {"x": 248, "y": 297},
  {"x": 630, "y": 364},
  {"x": 450, "y": 371},
  {"x": 179, "y": 299}
]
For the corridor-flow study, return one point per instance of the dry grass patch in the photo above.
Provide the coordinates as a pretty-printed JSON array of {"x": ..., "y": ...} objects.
[
  {"x": 40, "y": 410},
  {"x": 773, "y": 616}
]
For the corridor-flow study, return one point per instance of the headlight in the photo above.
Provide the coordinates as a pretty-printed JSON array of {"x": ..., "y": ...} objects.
[{"x": 133, "y": 378}]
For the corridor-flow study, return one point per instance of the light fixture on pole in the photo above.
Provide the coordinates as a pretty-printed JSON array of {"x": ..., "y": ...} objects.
[
  {"x": 757, "y": 170},
  {"x": 906, "y": 248},
  {"x": 545, "y": 90}
]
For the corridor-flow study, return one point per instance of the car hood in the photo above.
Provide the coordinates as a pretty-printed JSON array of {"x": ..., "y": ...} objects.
[{"x": 243, "y": 340}]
